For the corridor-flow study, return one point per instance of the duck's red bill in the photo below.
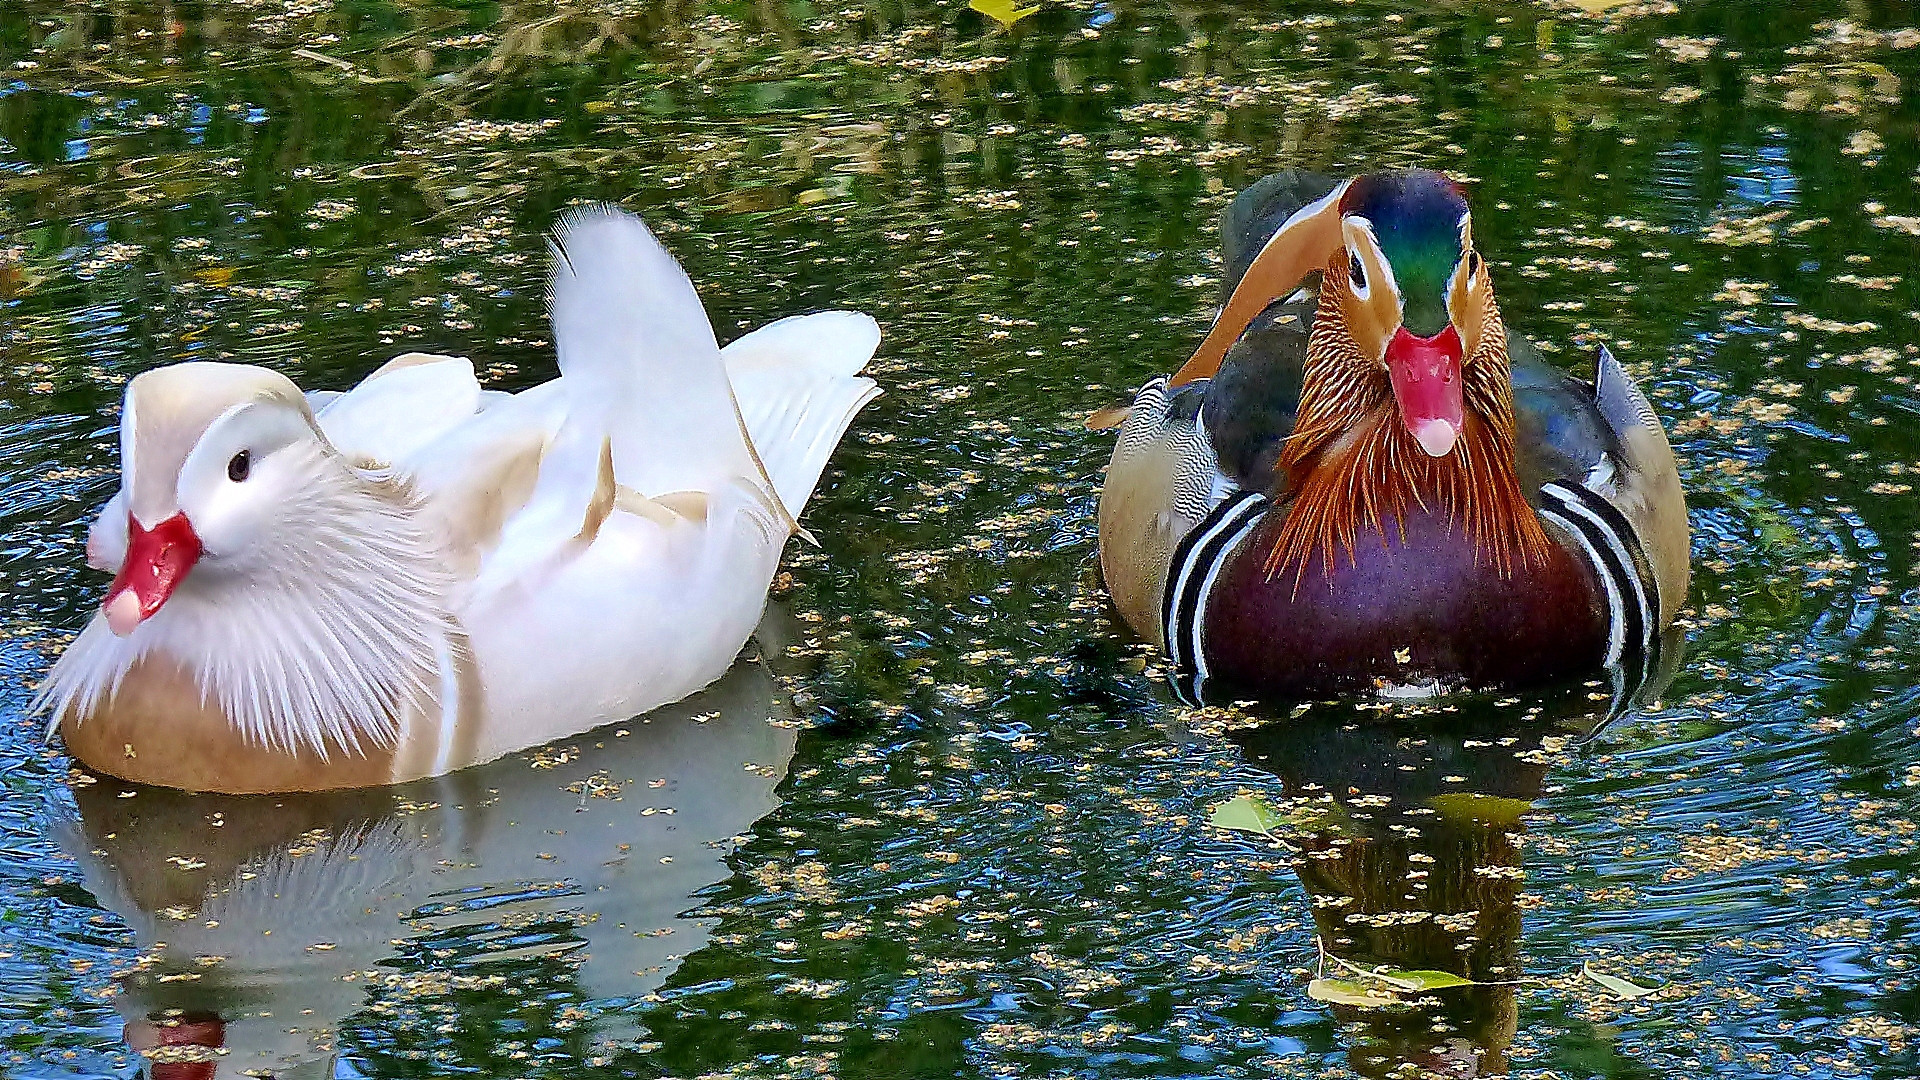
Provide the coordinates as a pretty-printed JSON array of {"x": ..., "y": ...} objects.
[
  {"x": 1425, "y": 373},
  {"x": 171, "y": 1043},
  {"x": 158, "y": 559}
]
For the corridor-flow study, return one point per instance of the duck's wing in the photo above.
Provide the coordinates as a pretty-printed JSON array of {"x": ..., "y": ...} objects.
[
  {"x": 478, "y": 476},
  {"x": 639, "y": 563},
  {"x": 1578, "y": 439},
  {"x": 403, "y": 407},
  {"x": 1184, "y": 450},
  {"x": 1253, "y": 399},
  {"x": 1252, "y": 402},
  {"x": 1647, "y": 489},
  {"x": 642, "y": 417},
  {"x": 1163, "y": 481},
  {"x": 1274, "y": 236},
  {"x": 639, "y": 366},
  {"x": 798, "y": 384}
]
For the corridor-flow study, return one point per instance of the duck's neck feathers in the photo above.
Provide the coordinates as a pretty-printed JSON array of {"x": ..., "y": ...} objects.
[
  {"x": 326, "y": 640},
  {"x": 1350, "y": 465}
]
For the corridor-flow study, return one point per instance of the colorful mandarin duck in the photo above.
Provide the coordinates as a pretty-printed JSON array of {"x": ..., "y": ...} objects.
[
  {"x": 335, "y": 590},
  {"x": 1371, "y": 484}
]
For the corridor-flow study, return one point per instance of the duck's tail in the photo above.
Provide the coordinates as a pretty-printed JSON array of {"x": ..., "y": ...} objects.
[{"x": 798, "y": 385}]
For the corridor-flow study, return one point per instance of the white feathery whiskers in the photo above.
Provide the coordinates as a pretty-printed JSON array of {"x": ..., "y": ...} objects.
[{"x": 322, "y": 641}]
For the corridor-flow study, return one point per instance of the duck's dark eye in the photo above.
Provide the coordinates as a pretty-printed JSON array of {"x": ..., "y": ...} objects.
[
  {"x": 1356, "y": 273},
  {"x": 239, "y": 466}
]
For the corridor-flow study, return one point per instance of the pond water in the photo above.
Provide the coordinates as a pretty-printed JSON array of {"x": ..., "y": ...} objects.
[{"x": 947, "y": 819}]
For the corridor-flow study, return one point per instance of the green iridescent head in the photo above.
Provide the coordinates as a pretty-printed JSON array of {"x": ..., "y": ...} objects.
[{"x": 1419, "y": 220}]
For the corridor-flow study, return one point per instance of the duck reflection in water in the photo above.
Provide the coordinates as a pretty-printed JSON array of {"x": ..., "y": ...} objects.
[
  {"x": 1407, "y": 834},
  {"x": 265, "y": 920}
]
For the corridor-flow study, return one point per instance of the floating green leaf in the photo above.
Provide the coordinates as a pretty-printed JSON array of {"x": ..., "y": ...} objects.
[
  {"x": 1348, "y": 992},
  {"x": 1406, "y": 982},
  {"x": 1422, "y": 980},
  {"x": 1245, "y": 814},
  {"x": 1492, "y": 809},
  {"x": 1625, "y": 990},
  {"x": 1002, "y": 11}
]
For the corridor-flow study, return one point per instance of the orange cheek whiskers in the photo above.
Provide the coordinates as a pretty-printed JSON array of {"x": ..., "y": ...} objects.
[{"x": 1349, "y": 466}]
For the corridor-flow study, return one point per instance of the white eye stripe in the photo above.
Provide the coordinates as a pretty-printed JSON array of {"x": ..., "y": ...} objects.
[{"x": 1358, "y": 233}]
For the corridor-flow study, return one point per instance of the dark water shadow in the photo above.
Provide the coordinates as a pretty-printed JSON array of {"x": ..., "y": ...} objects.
[{"x": 1406, "y": 827}]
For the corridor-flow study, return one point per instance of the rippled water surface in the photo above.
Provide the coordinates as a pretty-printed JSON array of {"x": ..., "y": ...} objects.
[{"x": 946, "y": 819}]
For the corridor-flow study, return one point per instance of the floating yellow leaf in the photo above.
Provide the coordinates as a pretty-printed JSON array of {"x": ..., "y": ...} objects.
[
  {"x": 1403, "y": 981},
  {"x": 1002, "y": 11}
]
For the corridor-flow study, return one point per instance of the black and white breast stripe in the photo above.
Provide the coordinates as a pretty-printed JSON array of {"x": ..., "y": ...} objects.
[
  {"x": 1613, "y": 550},
  {"x": 1191, "y": 576}
]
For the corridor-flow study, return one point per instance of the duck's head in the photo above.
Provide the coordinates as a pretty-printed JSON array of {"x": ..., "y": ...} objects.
[
  {"x": 1409, "y": 292},
  {"x": 211, "y": 457},
  {"x": 1412, "y": 292}
]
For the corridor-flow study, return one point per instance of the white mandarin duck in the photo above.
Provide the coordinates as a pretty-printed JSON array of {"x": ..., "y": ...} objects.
[{"x": 416, "y": 575}]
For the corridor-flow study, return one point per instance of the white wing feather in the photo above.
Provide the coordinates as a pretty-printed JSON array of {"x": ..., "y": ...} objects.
[
  {"x": 639, "y": 364},
  {"x": 396, "y": 411},
  {"x": 798, "y": 384}
]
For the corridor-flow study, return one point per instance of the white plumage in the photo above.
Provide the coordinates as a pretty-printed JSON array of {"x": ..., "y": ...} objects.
[{"x": 423, "y": 570}]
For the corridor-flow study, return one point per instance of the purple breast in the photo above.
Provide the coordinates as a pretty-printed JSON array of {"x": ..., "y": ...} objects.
[{"x": 1402, "y": 610}]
